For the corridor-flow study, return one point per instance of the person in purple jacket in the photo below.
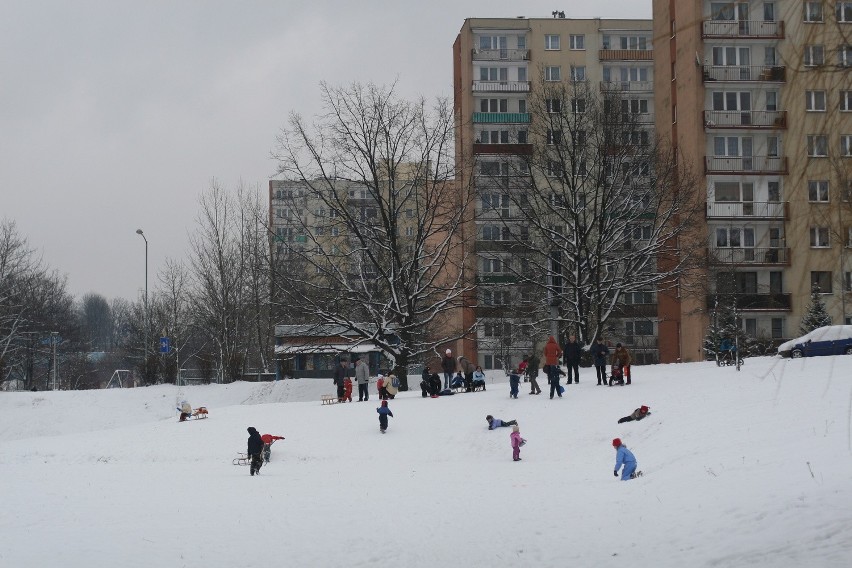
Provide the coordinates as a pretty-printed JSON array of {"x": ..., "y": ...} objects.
[
  {"x": 384, "y": 412},
  {"x": 517, "y": 442},
  {"x": 497, "y": 423},
  {"x": 624, "y": 457}
]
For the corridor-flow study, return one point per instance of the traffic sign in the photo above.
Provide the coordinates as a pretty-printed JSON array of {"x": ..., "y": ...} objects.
[{"x": 165, "y": 345}]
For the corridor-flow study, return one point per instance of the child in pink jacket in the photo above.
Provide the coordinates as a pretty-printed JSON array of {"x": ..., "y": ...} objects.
[{"x": 517, "y": 442}]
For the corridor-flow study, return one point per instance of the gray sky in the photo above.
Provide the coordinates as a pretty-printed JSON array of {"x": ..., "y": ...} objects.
[{"x": 117, "y": 115}]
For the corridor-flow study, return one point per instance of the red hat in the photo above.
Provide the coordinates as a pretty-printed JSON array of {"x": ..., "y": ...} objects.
[
  {"x": 645, "y": 408},
  {"x": 616, "y": 442},
  {"x": 384, "y": 403}
]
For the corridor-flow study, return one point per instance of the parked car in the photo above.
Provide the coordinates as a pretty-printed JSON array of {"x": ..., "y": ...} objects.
[{"x": 828, "y": 340}]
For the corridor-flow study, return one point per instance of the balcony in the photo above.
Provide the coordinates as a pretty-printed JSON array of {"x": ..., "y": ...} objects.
[
  {"x": 772, "y": 210},
  {"x": 745, "y": 165},
  {"x": 765, "y": 73},
  {"x": 501, "y": 117},
  {"x": 628, "y": 86},
  {"x": 504, "y": 149},
  {"x": 629, "y": 118},
  {"x": 625, "y": 55},
  {"x": 749, "y": 256},
  {"x": 501, "y": 86},
  {"x": 492, "y": 214},
  {"x": 742, "y": 29},
  {"x": 501, "y": 54},
  {"x": 746, "y": 119},
  {"x": 758, "y": 302},
  {"x": 495, "y": 278}
]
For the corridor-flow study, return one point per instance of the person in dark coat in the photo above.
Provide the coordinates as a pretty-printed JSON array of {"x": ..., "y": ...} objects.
[
  {"x": 435, "y": 384},
  {"x": 571, "y": 357},
  {"x": 466, "y": 367},
  {"x": 425, "y": 385},
  {"x": 532, "y": 374},
  {"x": 599, "y": 353},
  {"x": 448, "y": 365},
  {"x": 255, "y": 450},
  {"x": 340, "y": 374},
  {"x": 637, "y": 414},
  {"x": 384, "y": 412}
]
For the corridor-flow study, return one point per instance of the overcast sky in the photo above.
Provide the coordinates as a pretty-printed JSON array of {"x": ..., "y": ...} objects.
[{"x": 117, "y": 115}]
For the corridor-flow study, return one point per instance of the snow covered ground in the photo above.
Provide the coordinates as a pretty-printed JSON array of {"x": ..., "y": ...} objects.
[{"x": 741, "y": 469}]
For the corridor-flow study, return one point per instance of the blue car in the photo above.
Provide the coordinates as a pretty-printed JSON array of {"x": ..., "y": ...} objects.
[{"x": 828, "y": 340}]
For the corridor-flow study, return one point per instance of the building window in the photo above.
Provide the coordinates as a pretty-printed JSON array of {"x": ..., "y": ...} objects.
[
  {"x": 522, "y": 136},
  {"x": 335, "y": 232},
  {"x": 493, "y": 105},
  {"x": 814, "y": 55},
  {"x": 551, "y": 42},
  {"x": 819, "y": 237},
  {"x": 815, "y": 101},
  {"x": 844, "y": 56},
  {"x": 773, "y": 189},
  {"x": 578, "y": 73},
  {"x": 817, "y": 145},
  {"x": 846, "y": 145},
  {"x": 633, "y": 43},
  {"x": 578, "y": 106},
  {"x": 846, "y": 101},
  {"x": 847, "y": 282},
  {"x": 750, "y": 325},
  {"x": 818, "y": 191},
  {"x": 553, "y": 73},
  {"x": 844, "y": 12},
  {"x": 821, "y": 279},
  {"x": 554, "y": 168},
  {"x": 409, "y": 231},
  {"x": 553, "y": 105},
  {"x": 777, "y": 326},
  {"x": 576, "y": 41},
  {"x": 554, "y": 137},
  {"x": 813, "y": 12},
  {"x": 493, "y": 74}
]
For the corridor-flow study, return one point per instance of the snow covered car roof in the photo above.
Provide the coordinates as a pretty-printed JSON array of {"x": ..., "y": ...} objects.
[{"x": 827, "y": 333}]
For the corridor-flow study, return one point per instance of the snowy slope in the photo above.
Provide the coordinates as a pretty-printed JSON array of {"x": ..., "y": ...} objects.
[{"x": 741, "y": 469}]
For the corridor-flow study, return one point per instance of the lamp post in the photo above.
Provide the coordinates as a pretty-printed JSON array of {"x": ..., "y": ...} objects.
[{"x": 145, "y": 363}]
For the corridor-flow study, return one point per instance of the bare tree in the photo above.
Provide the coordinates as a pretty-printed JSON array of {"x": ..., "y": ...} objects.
[
  {"x": 376, "y": 220},
  {"x": 607, "y": 208}
]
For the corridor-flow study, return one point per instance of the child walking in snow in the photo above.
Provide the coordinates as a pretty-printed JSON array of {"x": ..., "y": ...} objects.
[
  {"x": 514, "y": 383},
  {"x": 624, "y": 457},
  {"x": 347, "y": 389},
  {"x": 517, "y": 442},
  {"x": 384, "y": 412}
]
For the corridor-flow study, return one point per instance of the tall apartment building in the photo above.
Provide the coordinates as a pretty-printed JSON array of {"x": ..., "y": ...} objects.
[
  {"x": 757, "y": 96},
  {"x": 497, "y": 64}
]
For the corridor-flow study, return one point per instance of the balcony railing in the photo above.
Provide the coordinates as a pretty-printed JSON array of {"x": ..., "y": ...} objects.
[
  {"x": 627, "y": 118},
  {"x": 770, "y": 73},
  {"x": 626, "y": 55},
  {"x": 501, "y": 117},
  {"x": 758, "y": 302},
  {"x": 495, "y": 278},
  {"x": 751, "y": 119},
  {"x": 742, "y": 29},
  {"x": 628, "y": 86},
  {"x": 749, "y": 256},
  {"x": 501, "y": 86},
  {"x": 507, "y": 149},
  {"x": 501, "y": 54},
  {"x": 745, "y": 165},
  {"x": 748, "y": 209}
]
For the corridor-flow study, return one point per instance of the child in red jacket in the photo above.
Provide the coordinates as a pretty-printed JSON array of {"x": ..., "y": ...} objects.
[{"x": 347, "y": 389}]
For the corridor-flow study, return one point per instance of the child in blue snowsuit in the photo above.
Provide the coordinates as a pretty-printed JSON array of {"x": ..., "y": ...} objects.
[
  {"x": 514, "y": 383},
  {"x": 384, "y": 412},
  {"x": 623, "y": 457}
]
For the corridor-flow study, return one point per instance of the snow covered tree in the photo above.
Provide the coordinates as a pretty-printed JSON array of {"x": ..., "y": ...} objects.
[
  {"x": 606, "y": 209},
  {"x": 816, "y": 314},
  {"x": 374, "y": 239}
]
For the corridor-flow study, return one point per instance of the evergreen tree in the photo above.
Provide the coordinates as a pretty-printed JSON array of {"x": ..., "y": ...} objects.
[{"x": 817, "y": 315}]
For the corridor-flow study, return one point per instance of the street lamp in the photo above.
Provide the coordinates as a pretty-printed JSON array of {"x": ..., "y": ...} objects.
[{"x": 145, "y": 364}]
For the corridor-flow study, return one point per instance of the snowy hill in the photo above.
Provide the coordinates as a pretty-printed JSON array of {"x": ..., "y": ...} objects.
[{"x": 741, "y": 469}]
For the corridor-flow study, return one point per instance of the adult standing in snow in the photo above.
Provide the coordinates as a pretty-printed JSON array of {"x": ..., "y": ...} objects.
[
  {"x": 551, "y": 362},
  {"x": 391, "y": 386},
  {"x": 362, "y": 377},
  {"x": 340, "y": 373},
  {"x": 467, "y": 368},
  {"x": 599, "y": 353},
  {"x": 623, "y": 457},
  {"x": 255, "y": 449},
  {"x": 532, "y": 374},
  {"x": 448, "y": 365},
  {"x": 621, "y": 359},
  {"x": 571, "y": 358}
]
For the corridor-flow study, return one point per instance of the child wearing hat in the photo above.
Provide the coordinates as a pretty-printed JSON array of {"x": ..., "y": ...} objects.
[
  {"x": 516, "y": 441},
  {"x": 624, "y": 457},
  {"x": 637, "y": 414},
  {"x": 384, "y": 412}
]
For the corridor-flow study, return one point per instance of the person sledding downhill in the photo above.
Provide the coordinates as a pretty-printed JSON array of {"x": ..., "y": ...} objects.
[
  {"x": 255, "y": 449},
  {"x": 384, "y": 412},
  {"x": 624, "y": 457},
  {"x": 637, "y": 414}
]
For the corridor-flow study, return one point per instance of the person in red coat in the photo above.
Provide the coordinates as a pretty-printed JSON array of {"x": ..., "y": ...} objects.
[
  {"x": 347, "y": 389},
  {"x": 552, "y": 351},
  {"x": 268, "y": 440}
]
